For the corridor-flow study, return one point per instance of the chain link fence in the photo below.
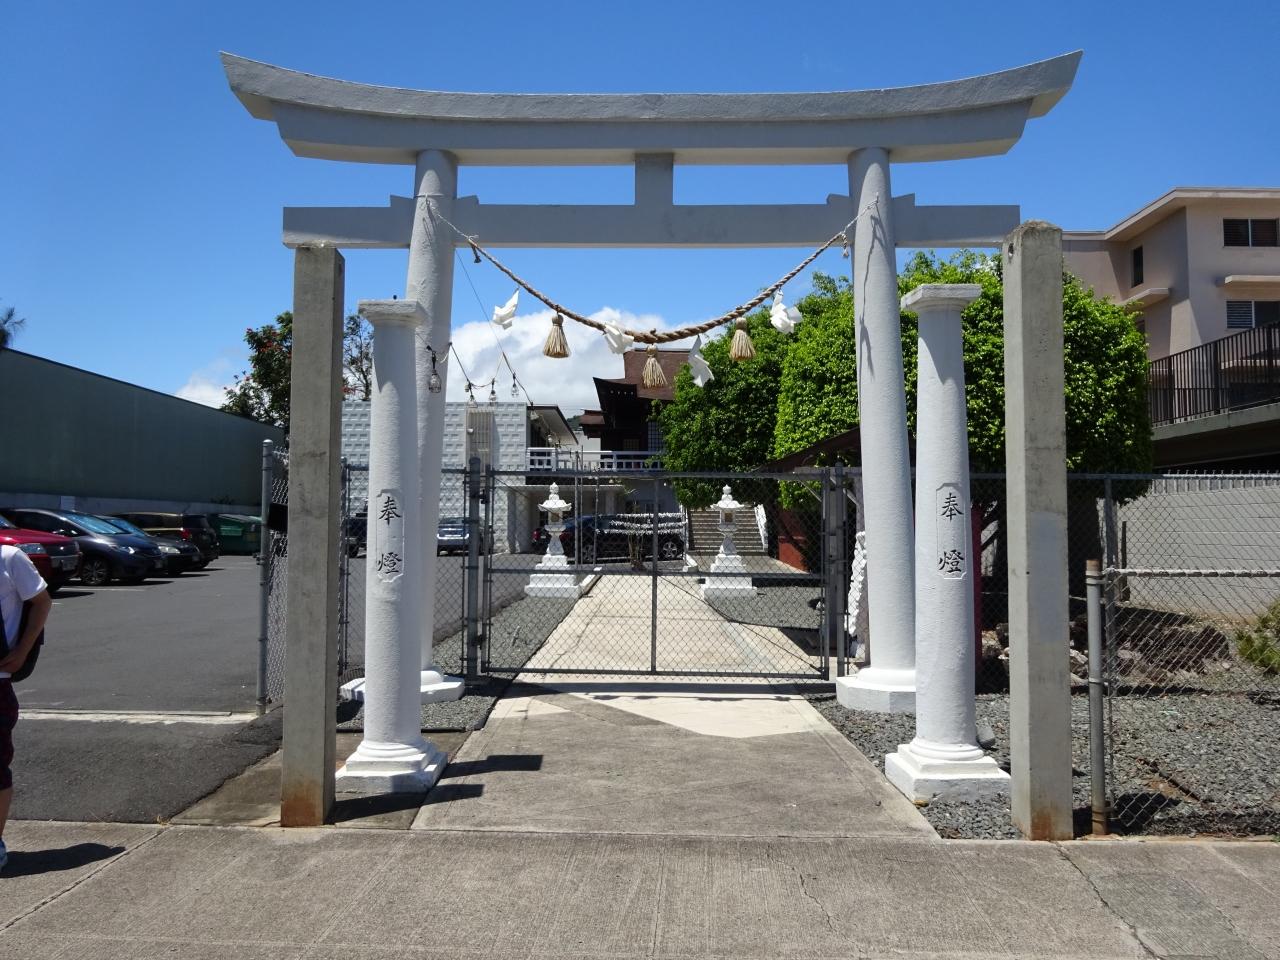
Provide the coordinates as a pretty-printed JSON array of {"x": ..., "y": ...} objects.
[
  {"x": 273, "y": 560},
  {"x": 643, "y": 586},
  {"x": 1191, "y": 612}
]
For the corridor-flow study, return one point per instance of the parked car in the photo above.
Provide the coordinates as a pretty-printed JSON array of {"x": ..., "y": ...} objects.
[
  {"x": 179, "y": 555},
  {"x": 356, "y": 532},
  {"x": 451, "y": 536},
  {"x": 606, "y": 537},
  {"x": 57, "y": 558},
  {"x": 106, "y": 554},
  {"x": 184, "y": 526}
]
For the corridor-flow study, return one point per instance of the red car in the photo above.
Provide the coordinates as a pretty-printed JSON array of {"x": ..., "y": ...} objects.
[{"x": 56, "y": 557}]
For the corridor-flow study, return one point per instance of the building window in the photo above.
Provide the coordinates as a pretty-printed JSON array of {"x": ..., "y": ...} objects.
[
  {"x": 1247, "y": 314},
  {"x": 1250, "y": 233},
  {"x": 1136, "y": 266}
]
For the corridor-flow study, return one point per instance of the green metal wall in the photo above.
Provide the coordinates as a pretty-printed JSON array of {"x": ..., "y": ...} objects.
[{"x": 68, "y": 432}]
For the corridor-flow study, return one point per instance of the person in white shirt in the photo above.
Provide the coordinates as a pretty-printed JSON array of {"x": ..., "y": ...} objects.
[{"x": 20, "y": 583}]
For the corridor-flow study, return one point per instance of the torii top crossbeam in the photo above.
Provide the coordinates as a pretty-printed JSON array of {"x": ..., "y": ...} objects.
[{"x": 338, "y": 120}]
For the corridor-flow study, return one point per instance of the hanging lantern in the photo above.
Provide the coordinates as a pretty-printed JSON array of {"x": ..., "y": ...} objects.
[
  {"x": 698, "y": 366},
  {"x": 653, "y": 377},
  {"x": 515, "y": 386},
  {"x": 471, "y": 397},
  {"x": 741, "y": 347},
  {"x": 556, "y": 346},
  {"x": 493, "y": 392},
  {"x": 434, "y": 384}
]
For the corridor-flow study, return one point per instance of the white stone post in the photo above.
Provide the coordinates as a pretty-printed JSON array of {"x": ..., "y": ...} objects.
[
  {"x": 393, "y": 757},
  {"x": 888, "y": 684},
  {"x": 728, "y": 560},
  {"x": 552, "y": 577},
  {"x": 944, "y": 759},
  {"x": 430, "y": 282}
]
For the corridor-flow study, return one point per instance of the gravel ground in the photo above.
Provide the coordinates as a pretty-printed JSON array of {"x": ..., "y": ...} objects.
[{"x": 1200, "y": 763}]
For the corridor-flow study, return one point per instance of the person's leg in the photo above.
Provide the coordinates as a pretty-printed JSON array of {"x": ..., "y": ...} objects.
[{"x": 8, "y": 719}]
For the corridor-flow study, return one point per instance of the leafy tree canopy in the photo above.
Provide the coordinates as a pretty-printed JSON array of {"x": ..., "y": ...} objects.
[
  {"x": 262, "y": 391},
  {"x": 1108, "y": 424},
  {"x": 728, "y": 424}
]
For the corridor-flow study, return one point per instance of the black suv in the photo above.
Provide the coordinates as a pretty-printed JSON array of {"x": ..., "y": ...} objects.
[
  {"x": 194, "y": 527},
  {"x": 106, "y": 553}
]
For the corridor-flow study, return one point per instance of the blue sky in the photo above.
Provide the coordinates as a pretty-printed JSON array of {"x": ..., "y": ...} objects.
[{"x": 140, "y": 204}]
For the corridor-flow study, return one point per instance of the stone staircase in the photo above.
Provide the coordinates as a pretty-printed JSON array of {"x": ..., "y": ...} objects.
[{"x": 704, "y": 532}]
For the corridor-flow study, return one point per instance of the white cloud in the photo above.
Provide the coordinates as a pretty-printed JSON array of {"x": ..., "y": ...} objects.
[
  {"x": 567, "y": 382},
  {"x": 207, "y": 385}
]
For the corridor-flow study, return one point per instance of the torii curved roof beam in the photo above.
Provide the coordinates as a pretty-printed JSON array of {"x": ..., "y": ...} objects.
[{"x": 337, "y": 120}]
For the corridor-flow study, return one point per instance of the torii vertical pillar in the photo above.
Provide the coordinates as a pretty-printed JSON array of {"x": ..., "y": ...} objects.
[
  {"x": 1036, "y": 492},
  {"x": 944, "y": 759},
  {"x": 311, "y": 630},
  {"x": 888, "y": 685},
  {"x": 430, "y": 283},
  {"x": 393, "y": 757}
]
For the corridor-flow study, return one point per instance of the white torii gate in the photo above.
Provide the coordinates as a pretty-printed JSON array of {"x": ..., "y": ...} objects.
[{"x": 436, "y": 132}]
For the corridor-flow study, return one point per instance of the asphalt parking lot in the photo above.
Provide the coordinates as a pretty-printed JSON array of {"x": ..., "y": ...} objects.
[{"x": 144, "y": 697}]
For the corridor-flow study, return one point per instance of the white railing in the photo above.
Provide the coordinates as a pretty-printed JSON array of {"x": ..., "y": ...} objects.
[{"x": 555, "y": 460}]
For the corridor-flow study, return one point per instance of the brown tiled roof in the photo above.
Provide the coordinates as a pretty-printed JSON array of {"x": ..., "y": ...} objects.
[{"x": 671, "y": 361}]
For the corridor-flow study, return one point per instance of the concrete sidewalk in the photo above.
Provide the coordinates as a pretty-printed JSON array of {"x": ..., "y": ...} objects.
[
  {"x": 112, "y": 892},
  {"x": 610, "y": 817}
]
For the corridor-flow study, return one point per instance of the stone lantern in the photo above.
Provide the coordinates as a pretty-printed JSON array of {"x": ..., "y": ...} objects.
[
  {"x": 727, "y": 561},
  {"x": 552, "y": 577}
]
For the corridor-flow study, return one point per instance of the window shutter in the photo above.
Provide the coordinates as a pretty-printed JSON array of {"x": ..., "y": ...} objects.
[
  {"x": 1263, "y": 232},
  {"x": 1239, "y": 314},
  {"x": 1235, "y": 233}
]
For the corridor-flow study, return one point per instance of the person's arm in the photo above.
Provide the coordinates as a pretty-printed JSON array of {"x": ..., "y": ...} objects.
[{"x": 32, "y": 589}]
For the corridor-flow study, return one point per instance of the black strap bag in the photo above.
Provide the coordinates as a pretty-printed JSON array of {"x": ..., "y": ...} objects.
[{"x": 29, "y": 665}]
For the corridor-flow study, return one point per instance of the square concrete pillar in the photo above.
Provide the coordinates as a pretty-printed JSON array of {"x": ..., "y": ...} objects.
[
  {"x": 1036, "y": 464},
  {"x": 315, "y": 451}
]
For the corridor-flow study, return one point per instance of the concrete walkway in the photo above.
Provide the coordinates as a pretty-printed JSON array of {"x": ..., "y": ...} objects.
[{"x": 624, "y": 819}]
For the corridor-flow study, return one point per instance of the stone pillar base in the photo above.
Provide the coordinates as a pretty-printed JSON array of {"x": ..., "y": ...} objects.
[
  {"x": 392, "y": 768},
  {"x": 439, "y": 688},
  {"x": 878, "y": 691},
  {"x": 922, "y": 778},
  {"x": 552, "y": 585},
  {"x": 435, "y": 688}
]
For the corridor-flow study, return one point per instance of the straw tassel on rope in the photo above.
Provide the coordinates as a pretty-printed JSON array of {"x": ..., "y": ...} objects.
[
  {"x": 653, "y": 377},
  {"x": 741, "y": 348},
  {"x": 556, "y": 345}
]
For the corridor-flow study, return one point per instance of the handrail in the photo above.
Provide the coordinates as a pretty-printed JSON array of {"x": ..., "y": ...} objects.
[
  {"x": 1233, "y": 373},
  {"x": 556, "y": 460}
]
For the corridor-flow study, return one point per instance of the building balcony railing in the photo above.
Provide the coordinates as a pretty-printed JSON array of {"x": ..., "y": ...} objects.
[
  {"x": 1230, "y": 374},
  {"x": 557, "y": 460}
]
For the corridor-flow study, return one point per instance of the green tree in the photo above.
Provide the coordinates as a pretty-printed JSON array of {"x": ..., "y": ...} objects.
[
  {"x": 10, "y": 324},
  {"x": 1108, "y": 424},
  {"x": 262, "y": 391},
  {"x": 728, "y": 424}
]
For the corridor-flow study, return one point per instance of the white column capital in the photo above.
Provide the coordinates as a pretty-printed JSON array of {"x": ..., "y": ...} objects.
[
  {"x": 940, "y": 297},
  {"x": 407, "y": 312}
]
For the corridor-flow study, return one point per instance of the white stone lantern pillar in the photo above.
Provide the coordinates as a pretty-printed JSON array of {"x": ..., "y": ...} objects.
[
  {"x": 553, "y": 577},
  {"x": 888, "y": 684},
  {"x": 944, "y": 759},
  {"x": 727, "y": 560},
  {"x": 393, "y": 757}
]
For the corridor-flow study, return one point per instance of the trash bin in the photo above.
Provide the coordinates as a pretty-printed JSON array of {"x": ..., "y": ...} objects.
[{"x": 239, "y": 533}]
